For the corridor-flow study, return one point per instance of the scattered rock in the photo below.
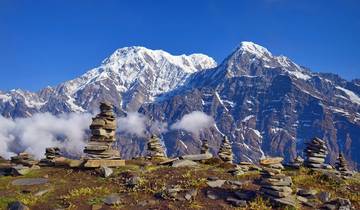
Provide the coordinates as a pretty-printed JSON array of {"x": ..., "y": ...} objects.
[
  {"x": 17, "y": 205},
  {"x": 133, "y": 181},
  {"x": 236, "y": 202},
  {"x": 338, "y": 203},
  {"x": 113, "y": 199},
  {"x": 105, "y": 171},
  {"x": 309, "y": 194},
  {"x": 19, "y": 170},
  {"x": 216, "y": 183},
  {"x": 183, "y": 163},
  {"x": 29, "y": 181},
  {"x": 324, "y": 196},
  {"x": 191, "y": 194}
]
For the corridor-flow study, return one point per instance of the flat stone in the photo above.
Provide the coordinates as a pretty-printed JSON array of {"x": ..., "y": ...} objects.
[
  {"x": 105, "y": 171},
  {"x": 183, "y": 163},
  {"x": 236, "y": 182},
  {"x": 168, "y": 161},
  {"x": 288, "y": 201},
  {"x": 216, "y": 183},
  {"x": 269, "y": 161},
  {"x": 41, "y": 193},
  {"x": 29, "y": 181},
  {"x": 197, "y": 157},
  {"x": 17, "y": 205},
  {"x": 306, "y": 193},
  {"x": 112, "y": 199},
  {"x": 96, "y": 163},
  {"x": 236, "y": 202},
  {"x": 275, "y": 193}
]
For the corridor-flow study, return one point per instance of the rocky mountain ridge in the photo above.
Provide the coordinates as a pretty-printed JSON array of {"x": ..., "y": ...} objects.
[{"x": 265, "y": 104}]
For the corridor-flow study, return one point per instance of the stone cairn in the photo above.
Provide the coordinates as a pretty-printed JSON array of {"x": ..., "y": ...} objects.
[
  {"x": 24, "y": 159},
  {"x": 102, "y": 129},
  {"x": 315, "y": 152},
  {"x": 225, "y": 151},
  {"x": 204, "y": 147},
  {"x": 51, "y": 153},
  {"x": 275, "y": 185},
  {"x": 342, "y": 166},
  {"x": 296, "y": 163},
  {"x": 155, "y": 149}
]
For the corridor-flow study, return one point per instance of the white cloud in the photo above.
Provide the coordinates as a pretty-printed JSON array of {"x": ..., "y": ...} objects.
[
  {"x": 42, "y": 130},
  {"x": 194, "y": 122},
  {"x": 133, "y": 123}
]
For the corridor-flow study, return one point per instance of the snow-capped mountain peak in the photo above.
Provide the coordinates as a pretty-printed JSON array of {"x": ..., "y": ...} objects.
[{"x": 255, "y": 49}]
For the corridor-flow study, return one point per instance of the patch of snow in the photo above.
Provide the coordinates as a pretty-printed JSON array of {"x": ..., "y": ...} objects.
[
  {"x": 73, "y": 106},
  {"x": 350, "y": 94},
  {"x": 247, "y": 118},
  {"x": 183, "y": 144},
  {"x": 5, "y": 97}
]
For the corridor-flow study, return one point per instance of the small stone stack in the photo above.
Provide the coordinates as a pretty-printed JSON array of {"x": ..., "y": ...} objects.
[
  {"x": 296, "y": 163},
  {"x": 315, "y": 152},
  {"x": 342, "y": 166},
  {"x": 51, "y": 153},
  {"x": 155, "y": 149},
  {"x": 225, "y": 151},
  {"x": 24, "y": 159},
  {"x": 275, "y": 185},
  {"x": 102, "y": 129},
  {"x": 204, "y": 147}
]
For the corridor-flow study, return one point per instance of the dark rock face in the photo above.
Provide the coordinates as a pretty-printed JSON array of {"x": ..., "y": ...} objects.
[{"x": 265, "y": 104}]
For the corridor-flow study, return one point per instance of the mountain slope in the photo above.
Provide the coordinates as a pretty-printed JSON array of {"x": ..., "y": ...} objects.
[{"x": 266, "y": 105}]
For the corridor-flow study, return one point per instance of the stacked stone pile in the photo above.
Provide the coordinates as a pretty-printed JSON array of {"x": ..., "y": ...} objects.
[
  {"x": 296, "y": 163},
  {"x": 275, "y": 185},
  {"x": 24, "y": 159},
  {"x": 315, "y": 152},
  {"x": 155, "y": 149},
  {"x": 225, "y": 151},
  {"x": 102, "y": 129},
  {"x": 342, "y": 166},
  {"x": 204, "y": 147},
  {"x": 51, "y": 153}
]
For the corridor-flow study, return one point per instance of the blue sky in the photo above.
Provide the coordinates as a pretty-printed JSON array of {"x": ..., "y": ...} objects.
[{"x": 47, "y": 42}]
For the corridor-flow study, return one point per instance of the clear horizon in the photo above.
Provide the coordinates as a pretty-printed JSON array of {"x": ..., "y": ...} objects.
[{"x": 47, "y": 43}]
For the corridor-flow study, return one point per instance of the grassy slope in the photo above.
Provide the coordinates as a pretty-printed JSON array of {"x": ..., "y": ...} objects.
[{"x": 78, "y": 189}]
